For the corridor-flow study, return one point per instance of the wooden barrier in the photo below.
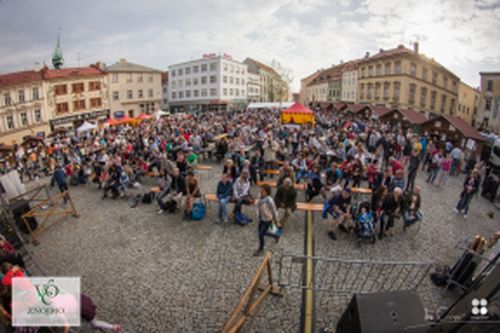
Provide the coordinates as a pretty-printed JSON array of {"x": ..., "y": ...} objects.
[
  {"x": 200, "y": 167},
  {"x": 249, "y": 303},
  {"x": 307, "y": 206},
  {"x": 361, "y": 190},
  {"x": 47, "y": 209},
  {"x": 298, "y": 186},
  {"x": 272, "y": 172}
]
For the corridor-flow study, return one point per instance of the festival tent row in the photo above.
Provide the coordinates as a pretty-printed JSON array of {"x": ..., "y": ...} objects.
[{"x": 269, "y": 105}]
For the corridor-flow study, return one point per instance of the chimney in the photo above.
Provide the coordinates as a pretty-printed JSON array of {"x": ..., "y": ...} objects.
[
  {"x": 367, "y": 55},
  {"x": 37, "y": 66},
  {"x": 122, "y": 60},
  {"x": 400, "y": 46},
  {"x": 381, "y": 50},
  {"x": 415, "y": 47}
]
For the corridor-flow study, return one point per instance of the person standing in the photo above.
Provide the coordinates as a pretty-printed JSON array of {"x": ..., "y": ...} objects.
[
  {"x": 224, "y": 191},
  {"x": 471, "y": 185},
  {"x": 456, "y": 157},
  {"x": 444, "y": 170},
  {"x": 412, "y": 170},
  {"x": 391, "y": 209},
  {"x": 286, "y": 198},
  {"x": 267, "y": 214}
]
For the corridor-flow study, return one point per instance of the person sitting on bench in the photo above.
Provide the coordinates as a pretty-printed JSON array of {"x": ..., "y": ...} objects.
[
  {"x": 241, "y": 192},
  {"x": 339, "y": 206},
  {"x": 411, "y": 207},
  {"x": 176, "y": 191},
  {"x": 286, "y": 171},
  {"x": 224, "y": 191}
]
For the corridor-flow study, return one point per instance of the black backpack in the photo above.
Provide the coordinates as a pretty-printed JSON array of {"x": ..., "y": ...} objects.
[{"x": 147, "y": 198}]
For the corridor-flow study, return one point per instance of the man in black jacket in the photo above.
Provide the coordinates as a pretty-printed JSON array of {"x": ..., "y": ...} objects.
[
  {"x": 412, "y": 170},
  {"x": 391, "y": 209},
  {"x": 286, "y": 198}
]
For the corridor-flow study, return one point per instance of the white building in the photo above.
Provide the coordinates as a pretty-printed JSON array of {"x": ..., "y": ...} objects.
[
  {"x": 349, "y": 84},
  {"x": 210, "y": 83},
  {"x": 253, "y": 88}
]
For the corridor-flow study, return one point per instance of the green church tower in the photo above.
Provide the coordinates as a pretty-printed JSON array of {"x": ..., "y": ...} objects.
[{"x": 57, "y": 57}]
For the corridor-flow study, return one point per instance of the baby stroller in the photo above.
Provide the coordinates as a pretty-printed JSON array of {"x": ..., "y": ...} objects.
[{"x": 364, "y": 226}]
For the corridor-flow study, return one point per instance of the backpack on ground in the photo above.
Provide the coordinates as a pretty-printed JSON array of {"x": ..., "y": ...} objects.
[
  {"x": 147, "y": 198},
  {"x": 241, "y": 218},
  {"x": 198, "y": 211}
]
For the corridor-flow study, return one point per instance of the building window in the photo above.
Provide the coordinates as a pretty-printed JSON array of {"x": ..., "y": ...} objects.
[
  {"x": 425, "y": 70},
  {"x": 181, "y": 94},
  {"x": 195, "y": 69},
  {"x": 236, "y": 92},
  {"x": 130, "y": 94},
  {"x": 62, "y": 108},
  {"x": 173, "y": 84},
  {"x": 139, "y": 77},
  {"x": 387, "y": 68},
  {"x": 60, "y": 89},
  {"x": 174, "y": 95},
  {"x": 362, "y": 91},
  {"x": 140, "y": 93},
  {"x": 213, "y": 92},
  {"x": 232, "y": 69},
  {"x": 423, "y": 96},
  {"x": 225, "y": 67},
  {"x": 187, "y": 70},
  {"x": 150, "y": 92},
  {"x": 114, "y": 78},
  {"x": 188, "y": 82},
  {"x": 433, "y": 100},
  {"x": 195, "y": 81},
  {"x": 213, "y": 79},
  {"x": 397, "y": 67},
  {"x": 224, "y": 90},
  {"x": 173, "y": 72},
  {"x": 379, "y": 70},
  {"x": 369, "y": 91},
  {"x": 487, "y": 103},
  {"x": 387, "y": 87},
  {"x": 7, "y": 100},
  {"x": 204, "y": 92},
  {"x": 116, "y": 96},
  {"x": 224, "y": 79},
  {"x": 94, "y": 85},
  {"x": 370, "y": 71},
  {"x": 413, "y": 69},
  {"x": 79, "y": 105},
  {"x": 231, "y": 80},
  {"x": 434, "y": 77},
  {"x": 188, "y": 93},
  {"x": 443, "y": 103},
  {"x": 150, "y": 77},
  {"x": 377, "y": 90},
  {"x": 204, "y": 67},
  {"x": 213, "y": 66},
  {"x": 24, "y": 119},
  {"x": 203, "y": 80},
  {"x": 10, "y": 122},
  {"x": 411, "y": 95},
  {"x": 129, "y": 77},
  {"x": 230, "y": 91},
  {"x": 196, "y": 93},
  {"x": 38, "y": 115},
  {"x": 397, "y": 86},
  {"x": 242, "y": 93},
  {"x": 452, "y": 107},
  {"x": 489, "y": 85},
  {"x": 78, "y": 88},
  {"x": 20, "y": 95},
  {"x": 95, "y": 102},
  {"x": 237, "y": 81},
  {"x": 35, "y": 93},
  {"x": 445, "y": 82},
  {"x": 179, "y": 72}
]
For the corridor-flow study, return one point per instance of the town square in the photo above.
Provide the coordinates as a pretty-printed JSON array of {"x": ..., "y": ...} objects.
[{"x": 236, "y": 186}]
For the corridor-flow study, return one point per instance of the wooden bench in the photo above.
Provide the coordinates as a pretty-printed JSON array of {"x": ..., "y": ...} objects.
[
  {"x": 200, "y": 167},
  {"x": 155, "y": 189},
  {"x": 212, "y": 197},
  {"x": 298, "y": 186},
  {"x": 361, "y": 190},
  {"x": 314, "y": 207},
  {"x": 272, "y": 172}
]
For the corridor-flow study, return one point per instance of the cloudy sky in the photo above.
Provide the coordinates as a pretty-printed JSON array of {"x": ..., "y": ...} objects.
[{"x": 302, "y": 34}]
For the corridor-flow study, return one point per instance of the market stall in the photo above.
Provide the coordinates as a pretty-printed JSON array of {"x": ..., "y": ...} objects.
[{"x": 297, "y": 114}]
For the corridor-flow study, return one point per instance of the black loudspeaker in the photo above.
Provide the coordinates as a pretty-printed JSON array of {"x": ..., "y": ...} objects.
[
  {"x": 387, "y": 312},
  {"x": 18, "y": 208}
]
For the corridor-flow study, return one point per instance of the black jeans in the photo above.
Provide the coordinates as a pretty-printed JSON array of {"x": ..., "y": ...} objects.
[
  {"x": 386, "y": 222},
  {"x": 263, "y": 226}
]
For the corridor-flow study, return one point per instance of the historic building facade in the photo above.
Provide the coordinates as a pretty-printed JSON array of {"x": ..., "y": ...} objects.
[
  {"x": 468, "y": 103},
  {"x": 489, "y": 111}
]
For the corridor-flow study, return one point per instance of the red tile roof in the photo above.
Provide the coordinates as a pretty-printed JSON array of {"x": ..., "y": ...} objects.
[
  {"x": 380, "y": 111},
  {"x": 10, "y": 79},
  {"x": 355, "y": 108},
  {"x": 467, "y": 130},
  {"x": 400, "y": 50},
  {"x": 264, "y": 67},
  {"x": 50, "y": 74},
  {"x": 412, "y": 116},
  {"x": 339, "y": 106},
  {"x": 334, "y": 73}
]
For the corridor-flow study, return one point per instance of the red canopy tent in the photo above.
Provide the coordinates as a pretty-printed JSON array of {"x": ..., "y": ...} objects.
[
  {"x": 144, "y": 116},
  {"x": 297, "y": 114}
]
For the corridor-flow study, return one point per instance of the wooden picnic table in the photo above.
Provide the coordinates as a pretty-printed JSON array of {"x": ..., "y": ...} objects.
[
  {"x": 361, "y": 190},
  {"x": 298, "y": 186},
  {"x": 201, "y": 167},
  {"x": 272, "y": 172}
]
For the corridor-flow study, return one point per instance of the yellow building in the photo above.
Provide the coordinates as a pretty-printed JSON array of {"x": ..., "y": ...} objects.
[
  {"x": 405, "y": 78},
  {"x": 23, "y": 111},
  {"x": 272, "y": 86},
  {"x": 75, "y": 95},
  {"x": 468, "y": 103},
  {"x": 489, "y": 110}
]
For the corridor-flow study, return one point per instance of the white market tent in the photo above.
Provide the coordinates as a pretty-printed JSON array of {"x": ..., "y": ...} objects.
[
  {"x": 160, "y": 113},
  {"x": 86, "y": 126},
  {"x": 275, "y": 105}
]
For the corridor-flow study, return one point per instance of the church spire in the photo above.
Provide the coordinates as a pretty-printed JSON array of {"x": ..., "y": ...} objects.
[{"x": 57, "y": 57}]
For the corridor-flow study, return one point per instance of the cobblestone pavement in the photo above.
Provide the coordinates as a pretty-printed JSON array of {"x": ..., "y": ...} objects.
[{"x": 157, "y": 273}]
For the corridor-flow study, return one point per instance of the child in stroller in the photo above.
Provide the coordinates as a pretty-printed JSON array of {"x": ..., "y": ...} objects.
[{"x": 365, "y": 227}]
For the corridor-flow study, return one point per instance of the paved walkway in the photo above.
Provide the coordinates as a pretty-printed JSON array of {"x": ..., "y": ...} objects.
[{"x": 157, "y": 273}]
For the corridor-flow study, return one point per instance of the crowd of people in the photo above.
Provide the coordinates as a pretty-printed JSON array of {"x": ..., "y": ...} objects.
[{"x": 328, "y": 162}]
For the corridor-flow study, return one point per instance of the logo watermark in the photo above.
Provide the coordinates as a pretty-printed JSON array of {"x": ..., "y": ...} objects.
[{"x": 47, "y": 301}]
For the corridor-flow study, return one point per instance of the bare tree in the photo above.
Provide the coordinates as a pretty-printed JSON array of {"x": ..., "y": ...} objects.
[{"x": 284, "y": 72}]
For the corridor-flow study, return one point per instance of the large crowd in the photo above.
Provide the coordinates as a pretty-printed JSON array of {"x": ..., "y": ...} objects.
[{"x": 362, "y": 171}]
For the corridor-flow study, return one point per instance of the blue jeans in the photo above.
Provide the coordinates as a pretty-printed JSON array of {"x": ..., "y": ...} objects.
[
  {"x": 464, "y": 202},
  {"x": 223, "y": 207},
  {"x": 301, "y": 174},
  {"x": 432, "y": 175},
  {"x": 409, "y": 220},
  {"x": 263, "y": 226}
]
